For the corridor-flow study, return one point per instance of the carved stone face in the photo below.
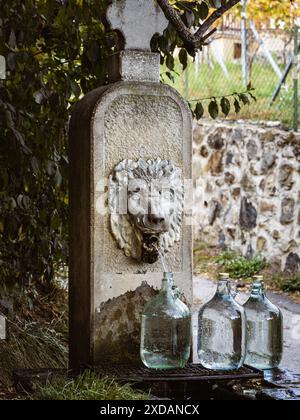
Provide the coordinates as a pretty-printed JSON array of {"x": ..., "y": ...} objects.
[{"x": 146, "y": 200}]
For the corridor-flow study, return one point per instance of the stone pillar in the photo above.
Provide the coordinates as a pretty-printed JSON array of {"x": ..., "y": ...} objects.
[{"x": 136, "y": 126}]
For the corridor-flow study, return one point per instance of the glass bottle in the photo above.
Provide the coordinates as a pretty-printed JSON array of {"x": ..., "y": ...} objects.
[
  {"x": 264, "y": 329},
  {"x": 166, "y": 329},
  {"x": 222, "y": 330}
]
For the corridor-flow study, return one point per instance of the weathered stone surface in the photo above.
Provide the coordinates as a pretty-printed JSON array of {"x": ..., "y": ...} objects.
[
  {"x": 276, "y": 234},
  {"x": 252, "y": 149},
  {"x": 253, "y": 169},
  {"x": 246, "y": 183},
  {"x": 268, "y": 162},
  {"x": 204, "y": 151},
  {"x": 236, "y": 192},
  {"x": 267, "y": 181},
  {"x": 214, "y": 212},
  {"x": 267, "y": 207},
  {"x": 292, "y": 263},
  {"x": 118, "y": 326},
  {"x": 248, "y": 215},
  {"x": 216, "y": 141},
  {"x": 139, "y": 66},
  {"x": 138, "y": 20},
  {"x": 229, "y": 158},
  {"x": 261, "y": 244},
  {"x": 250, "y": 252},
  {"x": 267, "y": 136},
  {"x": 222, "y": 240},
  {"x": 229, "y": 178},
  {"x": 287, "y": 211},
  {"x": 288, "y": 245},
  {"x": 237, "y": 135},
  {"x": 215, "y": 163},
  {"x": 286, "y": 176}
]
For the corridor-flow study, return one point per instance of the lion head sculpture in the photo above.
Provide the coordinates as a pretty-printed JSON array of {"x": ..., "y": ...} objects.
[{"x": 146, "y": 206}]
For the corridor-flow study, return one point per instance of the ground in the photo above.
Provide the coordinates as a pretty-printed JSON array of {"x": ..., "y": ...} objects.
[{"x": 38, "y": 330}]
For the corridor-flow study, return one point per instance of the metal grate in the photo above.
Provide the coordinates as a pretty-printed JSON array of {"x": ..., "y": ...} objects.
[{"x": 191, "y": 372}]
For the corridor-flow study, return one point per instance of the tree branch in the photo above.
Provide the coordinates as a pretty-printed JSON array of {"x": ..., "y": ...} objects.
[
  {"x": 215, "y": 16},
  {"x": 198, "y": 39},
  {"x": 175, "y": 19}
]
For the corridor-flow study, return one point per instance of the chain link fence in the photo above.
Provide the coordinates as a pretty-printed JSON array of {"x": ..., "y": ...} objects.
[{"x": 235, "y": 57}]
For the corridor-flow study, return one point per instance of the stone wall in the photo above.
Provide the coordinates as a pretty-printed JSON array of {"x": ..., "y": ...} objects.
[{"x": 247, "y": 190}]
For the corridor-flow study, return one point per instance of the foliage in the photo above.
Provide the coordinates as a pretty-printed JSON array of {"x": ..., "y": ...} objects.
[
  {"x": 56, "y": 51},
  {"x": 223, "y": 104},
  {"x": 287, "y": 283},
  {"x": 240, "y": 267},
  {"x": 87, "y": 386},
  {"x": 279, "y": 11},
  {"x": 193, "y": 13}
]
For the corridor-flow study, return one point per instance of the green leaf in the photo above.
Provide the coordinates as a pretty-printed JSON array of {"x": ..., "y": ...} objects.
[
  {"x": 188, "y": 18},
  {"x": 12, "y": 203},
  {"x": 26, "y": 202},
  {"x": 35, "y": 165},
  {"x": 213, "y": 109},
  {"x": 21, "y": 140},
  {"x": 93, "y": 51},
  {"x": 170, "y": 62},
  {"x": 237, "y": 106},
  {"x": 11, "y": 61},
  {"x": 203, "y": 10},
  {"x": 183, "y": 58},
  {"x": 225, "y": 106},
  {"x": 20, "y": 201},
  {"x": 244, "y": 98},
  {"x": 170, "y": 76},
  {"x": 58, "y": 178},
  {"x": 199, "y": 111}
]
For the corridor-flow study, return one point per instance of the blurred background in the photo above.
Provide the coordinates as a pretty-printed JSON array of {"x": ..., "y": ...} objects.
[{"x": 257, "y": 44}]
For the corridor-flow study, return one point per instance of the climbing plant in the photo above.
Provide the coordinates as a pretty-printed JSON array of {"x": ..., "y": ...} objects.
[{"x": 56, "y": 52}]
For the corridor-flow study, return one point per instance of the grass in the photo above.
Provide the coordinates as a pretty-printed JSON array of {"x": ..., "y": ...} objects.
[
  {"x": 37, "y": 334},
  {"x": 240, "y": 267},
  {"x": 87, "y": 387},
  {"x": 212, "y": 82},
  {"x": 31, "y": 346}
]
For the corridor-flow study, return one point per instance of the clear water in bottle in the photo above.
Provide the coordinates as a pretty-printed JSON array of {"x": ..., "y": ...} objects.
[
  {"x": 166, "y": 329},
  {"x": 264, "y": 329},
  {"x": 221, "y": 330}
]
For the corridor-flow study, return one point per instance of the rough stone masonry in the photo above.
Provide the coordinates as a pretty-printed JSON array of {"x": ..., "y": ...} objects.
[{"x": 247, "y": 190}]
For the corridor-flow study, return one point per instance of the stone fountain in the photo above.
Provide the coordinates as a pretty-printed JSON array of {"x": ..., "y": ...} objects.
[{"x": 131, "y": 160}]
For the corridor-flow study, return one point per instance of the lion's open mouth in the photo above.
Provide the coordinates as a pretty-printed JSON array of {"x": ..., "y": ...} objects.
[{"x": 150, "y": 248}]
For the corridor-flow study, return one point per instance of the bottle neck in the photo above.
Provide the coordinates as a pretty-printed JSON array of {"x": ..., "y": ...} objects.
[
  {"x": 167, "y": 282},
  {"x": 224, "y": 288},
  {"x": 258, "y": 290}
]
